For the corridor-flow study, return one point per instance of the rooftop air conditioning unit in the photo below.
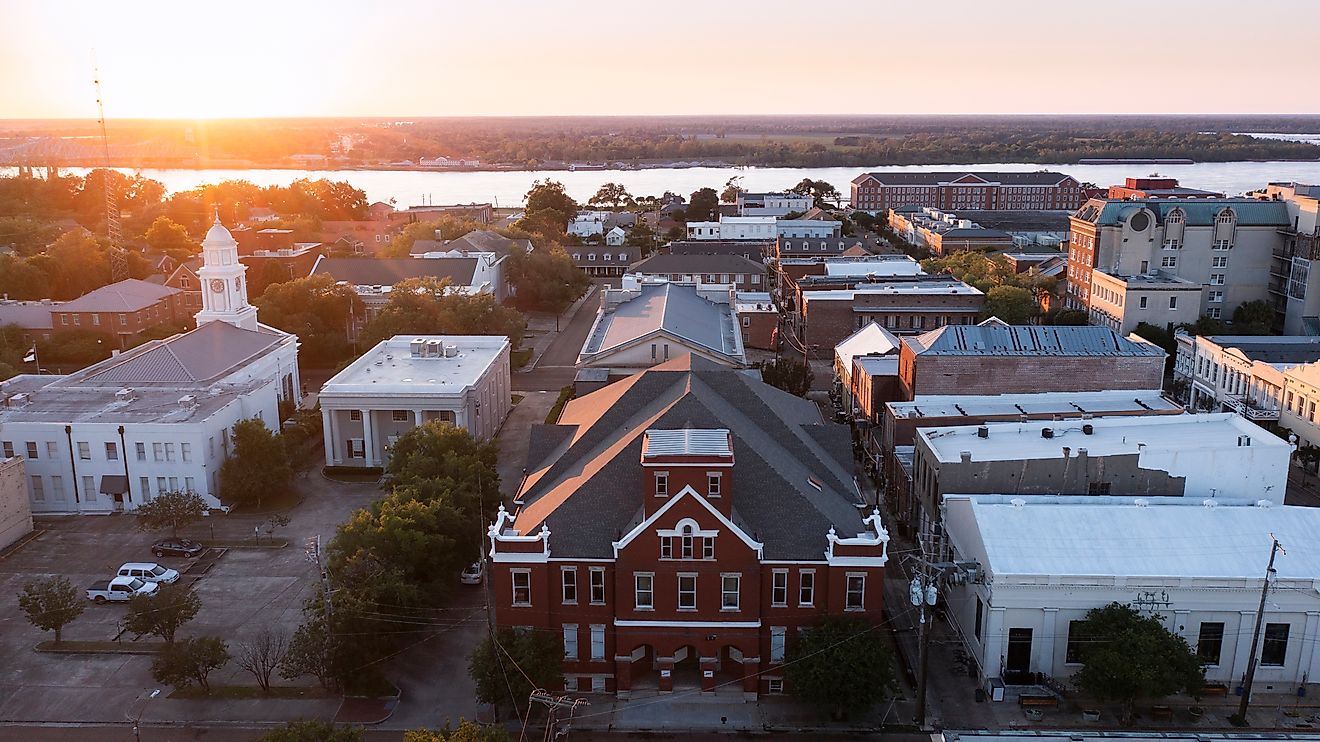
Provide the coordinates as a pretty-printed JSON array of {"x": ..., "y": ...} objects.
[
  {"x": 123, "y": 395},
  {"x": 19, "y": 400},
  {"x": 187, "y": 400}
]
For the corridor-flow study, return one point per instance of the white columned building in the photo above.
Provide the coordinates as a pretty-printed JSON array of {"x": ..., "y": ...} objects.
[
  {"x": 157, "y": 417},
  {"x": 408, "y": 381}
]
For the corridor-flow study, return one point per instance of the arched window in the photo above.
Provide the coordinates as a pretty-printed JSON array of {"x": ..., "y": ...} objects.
[
  {"x": 1226, "y": 217},
  {"x": 1176, "y": 217}
]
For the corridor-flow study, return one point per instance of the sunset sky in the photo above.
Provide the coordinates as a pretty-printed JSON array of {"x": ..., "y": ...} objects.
[{"x": 545, "y": 57}]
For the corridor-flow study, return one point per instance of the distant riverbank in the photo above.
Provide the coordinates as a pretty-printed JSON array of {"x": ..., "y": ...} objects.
[{"x": 509, "y": 187}]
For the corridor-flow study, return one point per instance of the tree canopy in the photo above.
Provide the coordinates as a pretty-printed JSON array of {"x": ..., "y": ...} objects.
[
  {"x": 545, "y": 279},
  {"x": 539, "y": 654},
  {"x": 612, "y": 195},
  {"x": 704, "y": 205},
  {"x": 427, "y": 306},
  {"x": 163, "y": 613},
  {"x": 1012, "y": 304},
  {"x": 318, "y": 310},
  {"x": 168, "y": 236},
  {"x": 259, "y": 468},
  {"x": 51, "y": 603},
  {"x": 791, "y": 375},
  {"x": 170, "y": 511},
  {"x": 1128, "y": 656},
  {"x": 840, "y": 664}
]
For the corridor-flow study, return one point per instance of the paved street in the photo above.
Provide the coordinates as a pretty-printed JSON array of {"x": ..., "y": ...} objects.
[{"x": 554, "y": 367}]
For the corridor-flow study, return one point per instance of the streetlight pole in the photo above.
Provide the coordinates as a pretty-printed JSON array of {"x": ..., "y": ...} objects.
[
  {"x": 137, "y": 732},
  {"x": 1275, "y": 547},
  {"x": 923, "y": 592}
]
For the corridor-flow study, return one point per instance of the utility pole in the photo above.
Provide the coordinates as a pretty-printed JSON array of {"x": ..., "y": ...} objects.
[
  {"x": 553, "y": 704},
  {"x": 1275, "y": 548},
  {"x": 923, "y": 591}
]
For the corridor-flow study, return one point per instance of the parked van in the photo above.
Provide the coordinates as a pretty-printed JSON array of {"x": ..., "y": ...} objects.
[{"x": 149, "y": 572}]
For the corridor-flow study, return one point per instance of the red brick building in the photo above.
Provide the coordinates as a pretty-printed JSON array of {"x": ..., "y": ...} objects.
[
  {"x": 123, "y": 309},
  {"x": 900, "y": 306},
  {"x": 185, "y": 279},
  {"x": 1019, "y": 359},
  {"x": 879, "y": 192},
  {"x": 678, "y": 527}
]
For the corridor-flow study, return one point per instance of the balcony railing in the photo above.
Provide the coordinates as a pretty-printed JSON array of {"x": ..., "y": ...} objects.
[{"x": 1251, "y": 409}]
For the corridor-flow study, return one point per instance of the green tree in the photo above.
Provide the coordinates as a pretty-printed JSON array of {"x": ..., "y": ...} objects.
[
  {"x": 170, "y": 511},
  {"x": 426, "y": 306},
  {"x": 612, "y": 195},
  {"x": 25, "y": 279},
  {"x": 792, "y": 376},
  {"x": 1012, "y": 304},
  {"x": 76, "y": 347},
  {"x": 840, "y": 664},
  {"x": 79, "y": 264},
  {"x": 539, "y": 654},
  {"x": 704, "y": 205},
  {"x": 823, "y": 194},
  {"x": 316, "y": 309},
  {"x": 163, "y": 613},
  {"x": 549, "y": 194},
  {"x": 643, "y": 236},
  {"x": 26, "y": 234},
  {"x": 311, "y": 651},
  {"x": 1127, "y": 656},
  {"x": 51, "y": 603},
  {"x": 168, "y": 236},
  {"x": 545, "y": 279},
  {"x": 1254, "y": 318},
  {"x": 1075, "y": 317},
  {"x": 259, "y": 468},
  {"x": 191, "y": 660},
  {"x": 732, "y": 187},
  {"x": 467, "y": 731},
  {"x": 312, "y": 731}
]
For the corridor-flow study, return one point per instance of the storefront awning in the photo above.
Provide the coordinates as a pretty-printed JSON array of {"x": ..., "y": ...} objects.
[{"x": 114, "y": 484}]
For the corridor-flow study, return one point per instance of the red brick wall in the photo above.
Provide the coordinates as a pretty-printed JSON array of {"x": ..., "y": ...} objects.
[{"x": 974, "y": 374}]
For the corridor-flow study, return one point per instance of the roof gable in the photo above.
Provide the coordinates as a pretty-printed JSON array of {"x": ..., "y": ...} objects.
[{"x": 663, "y": 510}]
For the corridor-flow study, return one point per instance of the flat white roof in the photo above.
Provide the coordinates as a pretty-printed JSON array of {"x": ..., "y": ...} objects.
[
  {"x": 1111, "y": 436},
  {"x": 924, "y": 288},
  {"x": 888, "y": 266},
  {"x": 1120, "y": 537},
  {"x": 992, "y": 405},
  {"x": 390, "y": 369}
]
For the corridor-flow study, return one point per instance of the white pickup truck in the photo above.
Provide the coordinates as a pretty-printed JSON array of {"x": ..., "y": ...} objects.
[{"x": 120, "y": 589}]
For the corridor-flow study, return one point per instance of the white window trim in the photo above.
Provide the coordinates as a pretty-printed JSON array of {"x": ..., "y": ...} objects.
[
  {"x": 848, "y": 578},
  {"x": 637, "y": 605},
  {"x": 775, "y": 575},
  {"x": 513, "y": 583},
  {"x": 591, "y": 596},
  {"x": 812, "y": 602},
  {"x": 737, "y": 594},
  {"x": 564, "y": 573},
  {"x": 570, "y": 630},
  {"x": 679, "y": 594}
]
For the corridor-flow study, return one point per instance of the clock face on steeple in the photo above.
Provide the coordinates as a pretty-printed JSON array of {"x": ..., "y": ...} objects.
[{"x": 217, "y": 285}]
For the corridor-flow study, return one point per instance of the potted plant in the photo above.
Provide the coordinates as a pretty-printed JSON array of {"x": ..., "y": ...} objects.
[{"x": 1196, "y": 712}]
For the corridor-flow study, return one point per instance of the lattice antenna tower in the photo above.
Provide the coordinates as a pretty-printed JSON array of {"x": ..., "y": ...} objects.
[{"x": 118, "y": 259}]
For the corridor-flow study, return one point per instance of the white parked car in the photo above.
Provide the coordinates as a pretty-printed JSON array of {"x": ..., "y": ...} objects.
[
  {"x": 471, "y": 574},
  {"x": 120, "y": 589},
  {"x": 149, "y": 572}
]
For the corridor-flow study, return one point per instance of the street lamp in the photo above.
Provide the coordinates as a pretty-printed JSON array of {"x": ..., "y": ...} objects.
[{"x": 137, "y": 732}]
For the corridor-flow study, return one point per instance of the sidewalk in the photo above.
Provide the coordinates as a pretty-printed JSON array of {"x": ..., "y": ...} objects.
[{"x": 688, "y": 711}]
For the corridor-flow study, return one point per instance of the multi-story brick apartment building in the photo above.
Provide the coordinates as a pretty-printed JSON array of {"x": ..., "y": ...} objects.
[
  {"x": 124, "y": 310},
  {"x": 679, "y": 527},
  {"x": 1225, "y": 245},
  {"x": 878, "y": 192},
  {"x": 1026, "y": 358},
  {"x": 900, "y": 306}
]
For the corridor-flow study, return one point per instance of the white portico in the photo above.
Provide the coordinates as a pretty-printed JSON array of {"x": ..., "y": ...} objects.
[{"x": 407, "y": 381}]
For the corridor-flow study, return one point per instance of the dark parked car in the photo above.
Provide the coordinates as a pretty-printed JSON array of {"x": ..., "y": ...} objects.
[{"x": 176, "y": 547}]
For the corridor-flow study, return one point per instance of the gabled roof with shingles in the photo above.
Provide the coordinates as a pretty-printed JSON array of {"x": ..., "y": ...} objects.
[
  {"x": 128, "y": 295},
  {"x": 197, "y": 356},
  {"x": 585, "y": 479},
  {"x": 389, "y": 271}
]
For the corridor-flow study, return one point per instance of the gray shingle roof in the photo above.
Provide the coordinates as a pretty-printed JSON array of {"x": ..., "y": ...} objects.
[
  {"x": 676, "y": 309},
  {"x": 129, "y": 295},
  {"x": 1027, "y": 340},
  {"x": 192, "y": 357},
  {"x": 389, "y": 271},
  {"x": 1199, "y": 212},
  {"x": 590, "y": 487}
]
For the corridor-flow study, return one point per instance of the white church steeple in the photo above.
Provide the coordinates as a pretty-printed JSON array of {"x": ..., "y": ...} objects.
[{"x": 224, "y": 292}]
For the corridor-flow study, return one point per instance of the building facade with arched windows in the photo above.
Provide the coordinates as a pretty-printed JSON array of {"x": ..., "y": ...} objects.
[
  {"x": 1169, "y": 260},
  {"x": 676, "y": 529}
]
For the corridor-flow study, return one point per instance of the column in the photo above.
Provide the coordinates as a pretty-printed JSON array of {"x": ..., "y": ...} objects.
[
  {"x": 751, "y": 678},
  {"x": 418, "y": 418},
  {"x": 1050, "y": 632},
  {"x": 708, "y": 665},
  {"x": 623, "y": 677},
  {"x": 1241, "y": 647},
  {"x": 333, "y": 455},
  {"x": 368, "y": 438},
  {"x": 666, "y": 665},
  {"x": 328, "y": 432}
]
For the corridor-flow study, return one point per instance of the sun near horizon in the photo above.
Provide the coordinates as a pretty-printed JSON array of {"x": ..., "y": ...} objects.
[{"x": 520, "y": 57}]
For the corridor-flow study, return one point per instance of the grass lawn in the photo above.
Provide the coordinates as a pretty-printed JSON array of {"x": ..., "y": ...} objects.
[
  {"x": 244, "y": 692},
  {"x": 286, "y": 500},
  {"x": 518, "y": 398},
  {"x": 519, "y": 358},
  {"x": 565, "y": 394}
]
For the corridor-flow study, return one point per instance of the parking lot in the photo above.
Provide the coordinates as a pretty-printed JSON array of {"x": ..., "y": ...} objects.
[{"x": 247, "y": 590}]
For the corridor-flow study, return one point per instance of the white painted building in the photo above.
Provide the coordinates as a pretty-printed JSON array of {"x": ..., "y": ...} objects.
[
  {"x": 407, "y": 381},
  {"x": 157, "y": 417},
  {"x": 1040, "y": 563},
  {"x": 616, "y": 236},
  {"x": 15, "y": 508},
  {"x": 588, "y": 223},
  {"x": 762, "y": 228},
  {"x": 772, "y": 204}
]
